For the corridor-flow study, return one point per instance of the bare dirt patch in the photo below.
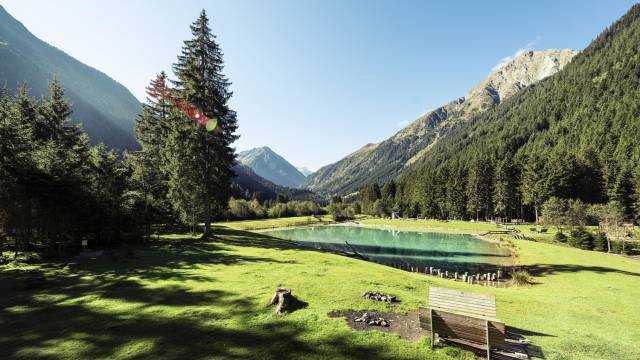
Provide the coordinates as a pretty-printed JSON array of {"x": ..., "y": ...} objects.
[{"x": 407, "y": 326}]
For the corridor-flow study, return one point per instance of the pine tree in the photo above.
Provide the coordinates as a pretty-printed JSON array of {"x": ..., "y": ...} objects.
[
  {"x": 505, "y": 190},
  {"x": 621, "y": 189},
  {"x": 147, "y": 164},
  {"x": 479, "y": 188},
  {"x": 457, "y": 195},
  {"x": 55, "y": 116},
  {"x": 535, "y": 190},
  {"x": 636, "y": 192},
  {"x": 201, "y": 83}
]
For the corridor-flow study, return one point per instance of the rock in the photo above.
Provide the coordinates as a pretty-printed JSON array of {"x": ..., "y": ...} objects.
[{"x": 373, "y": 295}]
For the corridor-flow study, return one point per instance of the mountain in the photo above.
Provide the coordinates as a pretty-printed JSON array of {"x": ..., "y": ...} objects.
[
  {"x": 383, "y": 161},
  {"x": 573, "y": 135},
  {"x": 248, "y": 184},
  {"x": 305, "y": 171},
  {"x": 271, "y": 166},
  {"x": 106, "y": 109}
]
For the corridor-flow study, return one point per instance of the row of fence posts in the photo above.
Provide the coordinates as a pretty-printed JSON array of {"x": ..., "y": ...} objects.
[{"x": 489, "y": 278}]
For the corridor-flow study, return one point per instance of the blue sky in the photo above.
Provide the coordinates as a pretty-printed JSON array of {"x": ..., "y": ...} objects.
[{"x": 316, "y": 80}]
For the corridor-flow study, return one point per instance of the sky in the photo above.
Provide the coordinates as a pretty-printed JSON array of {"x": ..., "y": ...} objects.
[{"x": 318, "y": 79}]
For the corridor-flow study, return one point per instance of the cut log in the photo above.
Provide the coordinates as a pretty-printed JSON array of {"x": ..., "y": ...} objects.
[{"x": 282, "y": 298}]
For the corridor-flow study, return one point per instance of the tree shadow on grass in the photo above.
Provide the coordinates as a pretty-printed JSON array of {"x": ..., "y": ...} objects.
[
  {"x": 119, "y": 306},
  {"x": 69, "y": 324},
  {"x": 251, "y": 239},
  {"x": 553, "y": 269}
]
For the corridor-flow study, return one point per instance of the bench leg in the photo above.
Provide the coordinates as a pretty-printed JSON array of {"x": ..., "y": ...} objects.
[
  {"x": 433, "y": 335},
  {"x": 488, "y": 342}
]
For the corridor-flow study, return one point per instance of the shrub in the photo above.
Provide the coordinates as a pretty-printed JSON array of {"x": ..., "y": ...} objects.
[
  {"x": 600, "y": 242},
  {"x": 559, "y": 236},
  {"x": 520, "y": 278},
  {"x": 341, "y": 212},
  {"x": 240, "y": 209},
  {"x": 581, "y": 238},
  {"x": 278, "y": 210}
]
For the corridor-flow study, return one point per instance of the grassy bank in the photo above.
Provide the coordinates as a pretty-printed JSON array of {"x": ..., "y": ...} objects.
[
  {"x": 183, "y": 298},
  {"x": 455, "y": 226},
  {"x": 261, "y": 224}
]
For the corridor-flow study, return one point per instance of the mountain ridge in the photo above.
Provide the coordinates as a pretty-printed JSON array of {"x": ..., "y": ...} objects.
[
  {"x": 385, "y": 160},
  {"x": 106, "y": 108},
  {"x": 247, "y": 184},
  {"x": 272, "y": 166}
]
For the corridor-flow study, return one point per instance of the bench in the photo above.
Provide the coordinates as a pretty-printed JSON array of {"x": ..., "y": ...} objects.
[{"x": 466, "y": 319}]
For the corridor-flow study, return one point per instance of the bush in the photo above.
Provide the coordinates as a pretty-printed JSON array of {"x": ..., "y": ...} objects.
[
  {"x": 341, "y": 212},
  {"x": 559, "y": 236},
  {"x": 520, "y": 278},
  {"x": 239, "y": 209},
  {"x": 278, "y": 210},
  {"x": 600, "y": 242},
  {"x": 630, "y": 248},
  {"x": 581, "y": 238}
]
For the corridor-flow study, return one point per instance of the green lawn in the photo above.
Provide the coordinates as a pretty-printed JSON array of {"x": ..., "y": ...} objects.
[
  {"x": 454, "y": 226},
  {"x": 184, "y": 298},
  {"x": 276, "y": 223}
]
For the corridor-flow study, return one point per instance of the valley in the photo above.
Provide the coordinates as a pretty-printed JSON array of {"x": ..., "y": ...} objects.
[{"x": 185, "y": 222}]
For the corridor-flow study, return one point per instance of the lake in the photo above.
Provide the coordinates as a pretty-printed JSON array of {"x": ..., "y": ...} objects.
[{"x": 453, "y": 252}]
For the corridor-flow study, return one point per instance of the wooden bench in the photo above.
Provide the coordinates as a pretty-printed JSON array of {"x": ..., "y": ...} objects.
[{"x": 466, "y": 319}]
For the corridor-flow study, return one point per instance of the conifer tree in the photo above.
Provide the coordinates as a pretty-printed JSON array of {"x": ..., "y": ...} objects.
[
  {"x": 147, "y": 164},
  {"x": 505, "y": 190},
  {"x": 202, "y": 83},
  {"x": 479, "y": 187},
  {"x": 535, "y": 189}
]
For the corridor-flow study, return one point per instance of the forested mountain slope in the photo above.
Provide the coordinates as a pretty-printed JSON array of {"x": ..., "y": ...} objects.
[
  {"x": 573, "y": 135},
  {"x": 105, "y": 108},
  {"x": 271, "y": 166},
  {"x": 383, "y": 161},
  {"x": 247, "y": 184}
]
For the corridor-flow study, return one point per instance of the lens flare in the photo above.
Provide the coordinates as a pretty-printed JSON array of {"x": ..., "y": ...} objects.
[
  {"x": 161, "y": 91},
  {"x": 212, "y": 124}
]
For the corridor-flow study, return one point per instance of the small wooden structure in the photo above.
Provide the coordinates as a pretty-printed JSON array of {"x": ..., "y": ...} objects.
[{"x": 466, "y": 319}]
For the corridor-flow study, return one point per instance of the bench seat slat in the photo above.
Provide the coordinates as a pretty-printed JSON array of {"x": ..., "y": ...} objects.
[
  {"x": 444, "y": 303},
  {"x": 467, "y": 311},
  {"x": 460, "y": 293},
  {"x": 438, "y": 297}
]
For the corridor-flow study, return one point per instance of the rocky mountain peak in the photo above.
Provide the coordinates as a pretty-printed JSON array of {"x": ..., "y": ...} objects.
[{"x": 527, "y": 68}]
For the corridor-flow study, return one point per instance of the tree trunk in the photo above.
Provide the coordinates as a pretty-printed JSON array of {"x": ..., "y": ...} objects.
[{"x": 207, "y": 218}]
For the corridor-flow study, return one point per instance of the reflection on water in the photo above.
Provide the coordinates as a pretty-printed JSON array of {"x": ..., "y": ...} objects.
[{"x": 454, "y": 252}]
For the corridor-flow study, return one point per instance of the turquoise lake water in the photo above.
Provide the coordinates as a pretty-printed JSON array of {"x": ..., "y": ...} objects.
[{"x": 453, "y": 252}]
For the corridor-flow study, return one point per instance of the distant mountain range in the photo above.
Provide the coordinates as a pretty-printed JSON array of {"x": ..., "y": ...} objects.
[
  {"x": 305, "y": 171},
  {"x": 105, "y": 108},
  {"x": 247, "y": 184},
  {"x": 271, "y": 166},
  {"x": 383, "y": 161}
]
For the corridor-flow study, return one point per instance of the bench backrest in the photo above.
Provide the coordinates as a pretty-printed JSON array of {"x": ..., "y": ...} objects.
[
  {"x": 451, "y": 325},
  {"x": 462, "y": 302}
]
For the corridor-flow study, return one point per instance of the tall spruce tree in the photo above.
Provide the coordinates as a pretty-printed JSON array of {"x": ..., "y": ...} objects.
[
  {"x": 535, "y": 189},
  {"x": 202, "y": 83},
  {"x": 479, "y": 187},
  {"x": 505, "y": 190},
  {"x": 147, "y": 164}
]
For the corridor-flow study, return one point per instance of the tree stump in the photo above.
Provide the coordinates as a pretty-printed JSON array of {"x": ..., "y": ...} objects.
[{"x": 282, "y": 298}]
